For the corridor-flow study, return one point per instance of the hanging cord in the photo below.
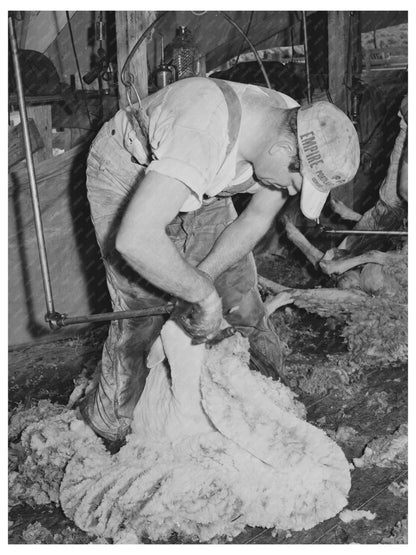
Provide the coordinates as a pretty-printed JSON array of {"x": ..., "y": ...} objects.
[
  {"x": 253, "y": 48},
  {"x": 102, "y": 56},
  {"x": 305, "y": 42},
  {"x": 242, "y": 44},
  {"x": 349, "y": 69},
  {"x": 140, "y": 116},
  {"x": 329, "y": 97},
  {"x": 292, "y": 46},
  {"x": 239, "y": 29},
  {"x": 127, "y": 79},
  {"x": 78, "y": 68},
  {"x": 100, "y": 52},
  {"x": 327, "y": 92}
]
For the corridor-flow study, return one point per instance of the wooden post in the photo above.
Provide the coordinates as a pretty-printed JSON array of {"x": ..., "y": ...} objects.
[
  {"x": 129, "y": 28},
  {"x": 338, "y": 24},
  {"x": 340, "y": 76}
]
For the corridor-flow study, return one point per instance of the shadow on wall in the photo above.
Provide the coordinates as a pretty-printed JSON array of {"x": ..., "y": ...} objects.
[
  {"x": 87, "y": 248},
  {"x": 76, "y": 270}
]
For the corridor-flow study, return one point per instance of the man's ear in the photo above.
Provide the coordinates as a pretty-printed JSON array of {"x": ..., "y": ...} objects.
[{"x": 283, "y": 146}]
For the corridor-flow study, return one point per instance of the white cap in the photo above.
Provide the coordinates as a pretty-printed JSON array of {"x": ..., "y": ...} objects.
[{"x": 329, "y": 152}]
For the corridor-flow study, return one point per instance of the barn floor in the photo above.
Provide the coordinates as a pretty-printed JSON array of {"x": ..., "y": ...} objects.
[{"x": 352, "y": 403}]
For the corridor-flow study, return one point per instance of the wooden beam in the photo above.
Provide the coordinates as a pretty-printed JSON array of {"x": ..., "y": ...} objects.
[
  {"x": 24, "y": 27},
  {"x": 344, "y": 55},
  {"x": 42, "y": 116},
  {"x": 16, "y": 143},
  {"x": 129, "y": 28},
  {"x": 338, "y": 24},
  {"x": 344, "y": 60}
]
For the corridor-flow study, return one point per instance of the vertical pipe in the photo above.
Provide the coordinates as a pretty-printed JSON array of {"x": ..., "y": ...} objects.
[
  {"x": 305, "y": 42},
  {"x": 31, "y": 173}
]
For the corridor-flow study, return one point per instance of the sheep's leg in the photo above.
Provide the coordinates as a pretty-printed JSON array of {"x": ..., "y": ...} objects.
[
  {"x": 313, "y": 254},
  {"x": 343, "y": 264},
  {"x": 346, "y": 213}
]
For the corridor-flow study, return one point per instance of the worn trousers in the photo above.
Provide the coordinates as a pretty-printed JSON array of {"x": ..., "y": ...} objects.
[{"x": 112, "y": 177}]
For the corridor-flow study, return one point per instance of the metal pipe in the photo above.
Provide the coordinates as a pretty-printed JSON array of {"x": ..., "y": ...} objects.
[
  {"x": 31, "y": 173},
  {"x": 62, "y": 320},
  {"x": 363, "y": 232},
  {"x": 305, "y": 42}
]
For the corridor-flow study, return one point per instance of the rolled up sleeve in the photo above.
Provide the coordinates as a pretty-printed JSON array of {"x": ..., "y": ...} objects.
[{"x": 189, "y": 156}]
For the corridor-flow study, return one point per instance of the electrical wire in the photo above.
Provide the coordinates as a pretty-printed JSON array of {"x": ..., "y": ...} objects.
[
  {"x": 139, "y": 100},
  {"x": 128, "y": 80},
  {"x": 247, "y": 31},
  {"x": 305, "y": 42},
  {"x": 292, "y": 46},
  {"x": 256, "y": 54},
  {"x": 78, "y": 68},
  {"x": 329, "y": 97},
  {"x": 349, "y": 70},
  {"x": 244, "y": 34},
  {"x": 268, "y": 37},
  {"x": 100, "y": 27}
]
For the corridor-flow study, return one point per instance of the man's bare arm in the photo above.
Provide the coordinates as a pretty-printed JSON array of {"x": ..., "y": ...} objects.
[
  {"x": 143, "y": 242},
  {"x": 241, "y": 236}
]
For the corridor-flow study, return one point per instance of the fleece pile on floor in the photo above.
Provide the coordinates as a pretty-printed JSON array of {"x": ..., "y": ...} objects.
[{"x": 214, "y": 447}]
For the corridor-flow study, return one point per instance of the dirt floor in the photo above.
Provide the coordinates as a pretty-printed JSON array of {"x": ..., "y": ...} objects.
[{"x": 353, "y": 404}]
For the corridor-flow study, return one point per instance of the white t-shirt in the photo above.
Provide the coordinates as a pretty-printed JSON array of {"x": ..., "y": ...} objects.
[{"x": 188, "y": 135}]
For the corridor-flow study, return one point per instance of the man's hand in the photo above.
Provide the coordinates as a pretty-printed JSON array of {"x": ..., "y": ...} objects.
[
  {"x": 144, "y": 244},
  {"x": 240, "y": 237},
  {"x": 201, "y": 320}
]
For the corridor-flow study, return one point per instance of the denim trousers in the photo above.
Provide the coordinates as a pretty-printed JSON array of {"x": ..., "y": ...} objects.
[{"x": 112, "y": 178}]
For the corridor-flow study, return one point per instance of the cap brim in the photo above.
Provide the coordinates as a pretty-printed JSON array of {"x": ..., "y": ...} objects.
[{"x": 311, "y": 200}]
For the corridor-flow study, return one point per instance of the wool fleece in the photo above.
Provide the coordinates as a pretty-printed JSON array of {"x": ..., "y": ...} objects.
[{"x": 214, "y": 447}]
